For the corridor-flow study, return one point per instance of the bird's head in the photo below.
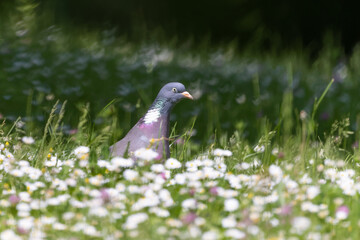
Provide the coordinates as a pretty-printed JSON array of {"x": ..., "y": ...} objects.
[{"x": 174, "y": 92}]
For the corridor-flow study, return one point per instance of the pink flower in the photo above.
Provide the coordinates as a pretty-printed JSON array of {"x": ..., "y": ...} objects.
[
  {"x": 189, "y": 218},
  {"x": 163, "y": 175},
  {"x": 213, "y": 191},
  {"x": 179, "y": 141},
  {"x": 281, "y": 155},
  {"x": 13, "y": 199},
  {"x": 22, "y": 231},
  {"x": 286, "y": 210},
  {"x": 72, "y": 131},
  {"x": 342, "y": 212},
  {"x": 105, "y": 196}
]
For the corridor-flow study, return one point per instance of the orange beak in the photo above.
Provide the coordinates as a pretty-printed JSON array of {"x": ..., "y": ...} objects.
[{"x": 187, "y": 95}]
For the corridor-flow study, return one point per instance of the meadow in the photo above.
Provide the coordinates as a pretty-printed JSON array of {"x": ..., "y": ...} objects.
[{"x": 268, "y": 149}]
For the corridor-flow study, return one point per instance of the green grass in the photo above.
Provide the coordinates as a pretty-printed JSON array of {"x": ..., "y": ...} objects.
[{"x": 68, "y": 89}]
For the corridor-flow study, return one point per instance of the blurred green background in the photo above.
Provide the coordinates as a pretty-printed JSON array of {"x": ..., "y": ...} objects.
[{"x": 246, "y": 62}]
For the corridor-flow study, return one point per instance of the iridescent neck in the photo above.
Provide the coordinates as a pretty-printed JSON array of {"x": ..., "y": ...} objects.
[{"x": 161, "y": 106}]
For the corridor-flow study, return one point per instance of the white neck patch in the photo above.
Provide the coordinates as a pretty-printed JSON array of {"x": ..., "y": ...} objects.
[{"x": 152, "y": 116}]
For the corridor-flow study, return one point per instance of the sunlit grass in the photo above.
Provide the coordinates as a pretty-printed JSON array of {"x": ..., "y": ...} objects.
[{"x": 65, "y": 185}]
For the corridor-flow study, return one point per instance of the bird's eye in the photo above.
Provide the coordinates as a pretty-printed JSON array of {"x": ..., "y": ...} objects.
[{"x": 174, "y": 90}]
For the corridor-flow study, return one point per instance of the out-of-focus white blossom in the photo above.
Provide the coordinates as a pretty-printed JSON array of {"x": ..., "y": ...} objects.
[
  {"x": 145, "y": 154},
  {"x": 301, "y": 224},
  {"x": 134, "y": 220},
  {"x": 231, "y": 204},
  {"x": 172, "y": 163},
  {"x": 259, "y": 148},
  {"x": 82, "y": 152},
  {"x": 222, "y": 153},
  {"x": 312, "y": 192},
  {"x": 28, "y": 140}
]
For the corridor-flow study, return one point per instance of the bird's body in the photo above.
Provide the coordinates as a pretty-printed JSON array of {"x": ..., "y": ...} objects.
[
  {"x": 142, "y": 135},
  {"x": 152, "y": 130}
]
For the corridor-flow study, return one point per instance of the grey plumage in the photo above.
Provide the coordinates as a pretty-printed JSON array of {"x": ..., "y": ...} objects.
[{"x": 152, "y": 130}]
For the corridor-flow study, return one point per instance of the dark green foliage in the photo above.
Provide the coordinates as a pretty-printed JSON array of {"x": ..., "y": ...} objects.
[{"x": 40, "y": 66}]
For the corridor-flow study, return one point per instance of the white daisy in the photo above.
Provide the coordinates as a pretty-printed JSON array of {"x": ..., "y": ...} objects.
[
  {"x": 28, "y": 140},
  {"x": 172, "y": 163},
  {"x": 231, "y": 204}
]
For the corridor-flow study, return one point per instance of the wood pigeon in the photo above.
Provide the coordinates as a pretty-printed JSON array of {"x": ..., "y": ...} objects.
[{"x": 152, "y": 130}]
